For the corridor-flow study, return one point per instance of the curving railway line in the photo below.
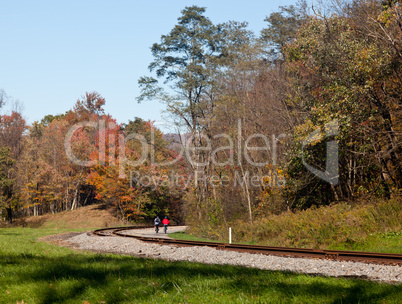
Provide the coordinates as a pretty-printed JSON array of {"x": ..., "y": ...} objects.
[{"x": 341, "y": 255}]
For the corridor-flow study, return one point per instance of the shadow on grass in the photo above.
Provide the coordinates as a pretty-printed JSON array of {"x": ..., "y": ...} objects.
[
  {"x": 8, "y": 233},
  {"x": 357, "y": 291},
  {"x": 117, "y": 279}
]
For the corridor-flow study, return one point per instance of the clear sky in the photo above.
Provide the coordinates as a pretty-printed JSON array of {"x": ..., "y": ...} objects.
[{"x": 52, "y": 52}]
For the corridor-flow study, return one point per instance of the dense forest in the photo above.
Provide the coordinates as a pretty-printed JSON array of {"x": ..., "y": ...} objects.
[{"x": 305, "y": 113}]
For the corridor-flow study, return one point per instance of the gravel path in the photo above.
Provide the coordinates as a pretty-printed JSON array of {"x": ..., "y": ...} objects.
[
  {"x": 150, "y": 232},
  {"x": 212, "y": 256}
]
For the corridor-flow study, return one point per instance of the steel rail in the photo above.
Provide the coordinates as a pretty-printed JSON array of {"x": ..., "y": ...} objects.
[{"x": 341, "y": 255}]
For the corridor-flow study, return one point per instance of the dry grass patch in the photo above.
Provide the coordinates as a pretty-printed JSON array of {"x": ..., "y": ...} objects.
[{"x": 94, "y": 216}]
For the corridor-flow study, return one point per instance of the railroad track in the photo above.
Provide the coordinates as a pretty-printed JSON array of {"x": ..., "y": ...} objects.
[{"x": 341, "y": 255}]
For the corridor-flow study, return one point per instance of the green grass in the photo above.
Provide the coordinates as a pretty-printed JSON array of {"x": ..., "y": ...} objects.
[
  {"x": 183, "y": 235},
  {"x": 390, "y": 242},
  {"x": 37, "y": 272}
]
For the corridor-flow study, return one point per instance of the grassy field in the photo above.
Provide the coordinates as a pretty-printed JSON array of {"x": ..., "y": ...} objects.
[{"x": 38, "y": 272}]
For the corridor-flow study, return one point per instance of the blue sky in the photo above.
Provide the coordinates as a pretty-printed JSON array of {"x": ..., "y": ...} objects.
[{"x": 52, "y": 52}]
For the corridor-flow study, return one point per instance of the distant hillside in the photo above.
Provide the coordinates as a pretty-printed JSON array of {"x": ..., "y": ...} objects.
[{"x": 176, "y": 140}]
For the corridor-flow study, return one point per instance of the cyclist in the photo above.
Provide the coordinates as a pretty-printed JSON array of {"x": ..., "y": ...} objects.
[
  {"x": 165, "y": 223},
  {"x": 157, "y": 222}
]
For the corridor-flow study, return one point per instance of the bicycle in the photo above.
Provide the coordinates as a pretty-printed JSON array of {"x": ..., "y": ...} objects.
[
  {"x": 165, "y": 228},
  {"x": 156, "y": 228}
]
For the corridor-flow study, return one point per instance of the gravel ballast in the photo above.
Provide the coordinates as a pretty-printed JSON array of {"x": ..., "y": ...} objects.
[{"x": 207, "y": 255}]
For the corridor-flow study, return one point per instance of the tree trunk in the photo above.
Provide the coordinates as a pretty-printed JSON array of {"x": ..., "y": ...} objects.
[
  {"x": 9, "y": 214},
  {"x": 247, "y": 193},
  {"x": 75, "y": 200}
]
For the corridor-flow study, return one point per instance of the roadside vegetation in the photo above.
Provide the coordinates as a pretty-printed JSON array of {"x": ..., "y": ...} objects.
[
  {"x": 38, "y": 272},
  {"x": 362, "y": 226}
]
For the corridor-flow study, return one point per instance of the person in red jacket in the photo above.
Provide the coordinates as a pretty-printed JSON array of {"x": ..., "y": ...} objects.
[{"x": 165, "y": 223}]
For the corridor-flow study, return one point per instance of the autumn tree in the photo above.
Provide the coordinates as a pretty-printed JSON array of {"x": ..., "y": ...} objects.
[
  {"x": 347, "y": 68},
  {"x": 137, "y": 185},
  {"x": 6, "y": 183},
  {"x": 83, "y": 142},
  {"x": 282, "y": 27},
  {"x": 90, "y": 104},
  {"x": 50, "y": 180},
  {"x": 12, "y": 128},
  {"x": 190, "y": 59},
  {"x": 182, "y": 60}
]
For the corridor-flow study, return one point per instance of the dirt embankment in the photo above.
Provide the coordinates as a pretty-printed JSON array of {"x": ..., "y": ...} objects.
[{"x": 94, "y": 216}]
